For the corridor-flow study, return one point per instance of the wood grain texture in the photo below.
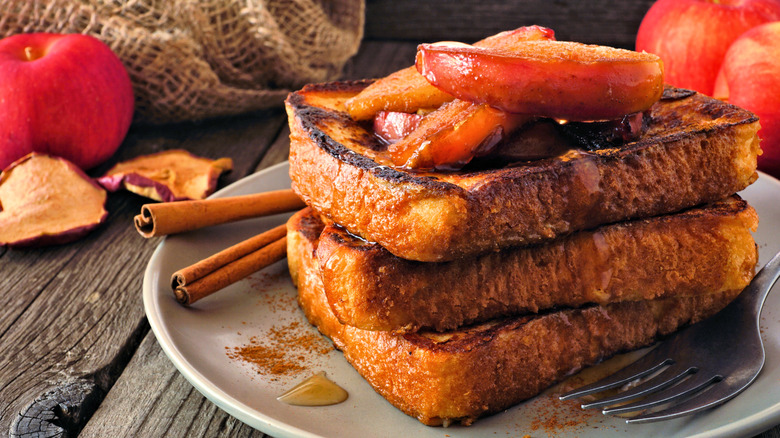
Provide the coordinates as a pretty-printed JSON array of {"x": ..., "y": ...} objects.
[
  {"x": 72, "y": 315},
  {"x": 376, "y": 59},
  {"x": 606, "y": 22},
  {"x": 168, "y": 405},
  {"x": 152, "y": 399}
]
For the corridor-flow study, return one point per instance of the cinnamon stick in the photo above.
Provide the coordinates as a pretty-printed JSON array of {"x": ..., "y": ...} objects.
[
  {"x": 175, "y": 217},
  {"x": 229, "y": 266}
]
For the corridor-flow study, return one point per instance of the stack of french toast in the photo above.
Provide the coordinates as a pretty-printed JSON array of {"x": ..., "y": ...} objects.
[{"x": 462, "y": 280}]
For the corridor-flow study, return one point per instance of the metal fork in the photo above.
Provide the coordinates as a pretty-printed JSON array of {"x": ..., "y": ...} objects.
[{"x": 701, "y": 367}]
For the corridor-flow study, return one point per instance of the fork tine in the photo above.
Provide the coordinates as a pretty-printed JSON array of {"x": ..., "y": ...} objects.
[
  {"x": 735, "y": 326},
  {"x": 693, "y": 384},
  {"x": 718, "y": 394},
  {"x": 644, "y": 366},
  {"x": 668, "y": 377}
]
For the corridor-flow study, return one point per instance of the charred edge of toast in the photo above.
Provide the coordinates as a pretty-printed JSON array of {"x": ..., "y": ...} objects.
[
  {"x": 309, "y": 225},
  {"x": 311, "y": 116},
  {"x": 465, "y": 339},
  {"x": 672, "y": 93}
]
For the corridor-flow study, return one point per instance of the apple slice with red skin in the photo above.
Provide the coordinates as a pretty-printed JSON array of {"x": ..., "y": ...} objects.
[
  {"x": 451, "y": 136},
  {"x": 392, "y": 126},
  {"x": 47, "y": 200},
  {"x": 172, "y": 175},
  {"x": 407, "y": 91},
  {"x": 557, "y": 79}
]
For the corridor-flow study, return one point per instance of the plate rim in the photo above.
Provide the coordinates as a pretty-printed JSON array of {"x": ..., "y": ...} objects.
[
  {"x": 754, "y": 423},
  {"x": 216, "y": 395}
]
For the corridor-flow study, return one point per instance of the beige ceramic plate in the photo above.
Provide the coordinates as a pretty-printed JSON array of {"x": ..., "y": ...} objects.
[{"x": 197, "y": 340}]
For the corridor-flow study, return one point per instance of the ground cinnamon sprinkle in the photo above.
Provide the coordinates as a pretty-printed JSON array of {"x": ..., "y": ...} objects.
[
  {"x": 274, "y": 303},
  {"x": 553, "y": 416},
  {"x": 285, "y": 350}
]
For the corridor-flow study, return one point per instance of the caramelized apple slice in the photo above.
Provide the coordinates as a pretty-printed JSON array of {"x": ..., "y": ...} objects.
[
  {"x": 407, "y": 91},
  {"x": 167, "y": 176},
  {"x": 451, "y": 136},
  {"x": 557, "y": 79},
  {"x": 392, "y": 126},
  {"x": 402, "y": 91},
  {"x": 47, "y": 200}
]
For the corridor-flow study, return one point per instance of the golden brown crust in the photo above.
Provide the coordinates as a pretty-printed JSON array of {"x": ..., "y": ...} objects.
[
  {"x": 709, "y": 248},
  {"x": 459, "y": 376},
  {"x": 696, "y": 150}
]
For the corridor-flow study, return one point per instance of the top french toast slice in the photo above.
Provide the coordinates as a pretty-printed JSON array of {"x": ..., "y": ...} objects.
[{"x": 695, "y": 150}]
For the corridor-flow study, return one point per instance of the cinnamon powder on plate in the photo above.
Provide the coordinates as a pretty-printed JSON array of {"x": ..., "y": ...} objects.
[{"x": 285, "y": 350}]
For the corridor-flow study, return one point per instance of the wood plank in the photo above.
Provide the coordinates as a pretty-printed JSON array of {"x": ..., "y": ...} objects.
[
  {"x": 71, "y": 316},
  {"x": 153, "y": 399},
  {"x": 242, "y": 138},
  {"x": 596, "y": 22},
  {"x": 376, "y": 59},
  {"x": 168, "y": 405},
  {"x": 772, "y": 433}
]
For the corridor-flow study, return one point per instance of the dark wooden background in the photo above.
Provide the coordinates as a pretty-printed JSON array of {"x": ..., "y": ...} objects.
[
  {"x": 596, "y": 22},
  {"x": 78, "y": 358}
]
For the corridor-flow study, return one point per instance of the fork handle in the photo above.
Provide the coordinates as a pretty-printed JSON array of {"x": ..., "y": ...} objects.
[{"x": 755, "y": 294}]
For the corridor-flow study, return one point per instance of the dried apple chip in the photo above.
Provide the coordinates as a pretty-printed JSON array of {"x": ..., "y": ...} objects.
[
  {"x": 47, "y": 200},
  {"x": 167, "y": 176}
]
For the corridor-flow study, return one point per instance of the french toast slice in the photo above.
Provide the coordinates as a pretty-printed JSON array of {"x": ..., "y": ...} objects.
[
  {"x": 695, "y": 150},
  {"x": 704, "y": 249},
  {"x": 460, "y": 375}
]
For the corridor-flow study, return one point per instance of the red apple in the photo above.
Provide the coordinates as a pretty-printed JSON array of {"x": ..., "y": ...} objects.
[
  {"x": 691, "y": 36},
  {"x": 63, "y": 95},
  {"x": 750, "y": 78}
]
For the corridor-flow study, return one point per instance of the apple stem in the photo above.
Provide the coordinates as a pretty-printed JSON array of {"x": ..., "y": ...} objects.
[{"x": 29, "y": 54}]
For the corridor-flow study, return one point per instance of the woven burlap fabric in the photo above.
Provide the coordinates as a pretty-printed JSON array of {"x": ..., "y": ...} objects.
[{"x": 196, "y": 59}]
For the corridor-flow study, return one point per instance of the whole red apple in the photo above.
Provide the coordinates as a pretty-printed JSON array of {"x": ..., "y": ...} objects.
[
  {"x": 691, "y": 36},
  {"x": 63, "y": 95},
  {"x": 750, "y": 78}
]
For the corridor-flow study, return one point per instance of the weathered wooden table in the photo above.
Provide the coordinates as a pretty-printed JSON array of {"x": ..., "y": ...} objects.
[{"x": 77, "y": 357}]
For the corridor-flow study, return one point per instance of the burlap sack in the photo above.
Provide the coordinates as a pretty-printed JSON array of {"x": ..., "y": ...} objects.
[{"x": 194, "y": 59}]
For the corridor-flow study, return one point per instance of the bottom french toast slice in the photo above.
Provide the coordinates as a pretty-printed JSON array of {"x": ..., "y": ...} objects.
[
  {"x": 702, "y": 250},
  {"x": 460, "y": 375}
]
